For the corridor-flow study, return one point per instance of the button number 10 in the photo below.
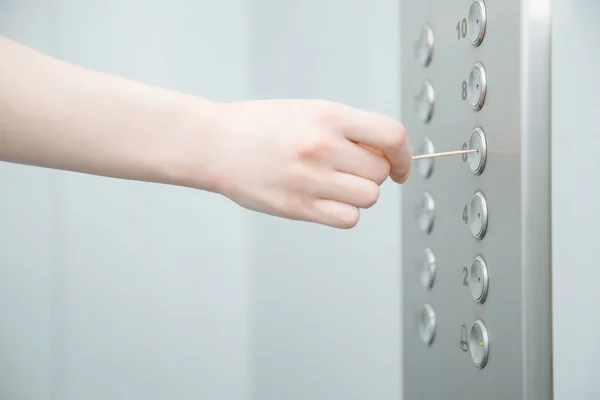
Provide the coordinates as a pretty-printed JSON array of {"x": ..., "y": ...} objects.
[{"x": 461, "y": 28}]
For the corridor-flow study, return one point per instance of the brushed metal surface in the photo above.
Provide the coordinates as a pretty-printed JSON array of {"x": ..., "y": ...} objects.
[{"x": 515, "y": 117}]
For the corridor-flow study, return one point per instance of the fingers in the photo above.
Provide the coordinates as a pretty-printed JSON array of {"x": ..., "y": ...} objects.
[
  {"x": 342, "y": 198},
  {"x": 361, "y": 161},
  {"x": 383, "y": 133},
  {"x": 350, "y": 189},
  {"x": 335, "y": 214}
]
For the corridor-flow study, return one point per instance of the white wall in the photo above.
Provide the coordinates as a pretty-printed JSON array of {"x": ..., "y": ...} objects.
[
  {"x": 121, "y": 290},
  {"x": 114, "y": 289},
  {"x": 28, "y": 246},
  {"x": 327, "y": 302},
  {"x": 575, "y": 196}
]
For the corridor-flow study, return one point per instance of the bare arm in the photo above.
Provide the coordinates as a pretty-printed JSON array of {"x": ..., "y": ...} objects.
[
  {"x": 301, "y": 159},
  {"x": 57, "y": 115}
]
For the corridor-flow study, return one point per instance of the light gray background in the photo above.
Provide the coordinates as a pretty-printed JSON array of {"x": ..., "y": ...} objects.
[
  {"x": 120, "y": 290},
  {"x": 191, "y": 297},
  {"x": 326, "y": 321},
  {"x": 124, "y": 290},
  {"x": 575, "y": 196}
]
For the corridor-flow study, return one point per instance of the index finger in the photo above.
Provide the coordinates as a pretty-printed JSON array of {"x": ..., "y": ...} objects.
[{"x": 382, "y": 133}]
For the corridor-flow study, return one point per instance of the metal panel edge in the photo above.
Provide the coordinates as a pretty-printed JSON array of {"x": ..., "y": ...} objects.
[{"x": 535, "y": 28}]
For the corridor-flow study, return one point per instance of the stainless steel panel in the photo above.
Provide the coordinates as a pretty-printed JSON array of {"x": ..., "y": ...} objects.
[{"x": 512, "y": 106}]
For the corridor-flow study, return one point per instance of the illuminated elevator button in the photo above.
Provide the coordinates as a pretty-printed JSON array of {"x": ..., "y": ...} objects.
[
  {"x": 424, "y": 46},
  {"x": 425, "y": 101},
  {"x": 427, "y": 324},
  {"x": 477, "y": 22},
  {"x": 477, "y": 160},
  {"x": 477, "y": 86},
  {"x": 479, "y": 343},
  {"x": 478, "y": 215},
  {"x": 426, "y": 164},
  {"x": 428, "y": 269},
  {"x": 478, "y": 279},
  {"x": 426, "y": 213}
]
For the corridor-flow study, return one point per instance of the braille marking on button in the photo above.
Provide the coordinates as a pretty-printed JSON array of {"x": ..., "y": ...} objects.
[
  {"x": 477, "y": 160},
  {"x": 477, "y": 22}
]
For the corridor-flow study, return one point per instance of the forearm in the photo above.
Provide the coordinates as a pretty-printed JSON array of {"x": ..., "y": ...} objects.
[
  {"x": 56, "y": 115},
  {"x": 308, "y": 160}
]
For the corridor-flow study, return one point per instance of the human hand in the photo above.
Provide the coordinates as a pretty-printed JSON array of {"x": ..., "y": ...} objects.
[{"x": 307, "y": 160}]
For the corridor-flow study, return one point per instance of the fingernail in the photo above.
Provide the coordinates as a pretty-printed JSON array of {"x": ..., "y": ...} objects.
[{"x": 404, "y": 168}]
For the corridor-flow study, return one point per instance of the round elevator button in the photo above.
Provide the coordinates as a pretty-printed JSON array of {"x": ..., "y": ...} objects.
[
  {"x": 426, "y": 213},
  {"x": 426, "y": 321},
  {"x": 425, "y": 101},
  {"x": 478, "y": 215},
  {"x": 477, "y": 22},
  {"x": 428, "y": 269},
  {"x": 477, "y": 86},
  {"x": 424, "y": 46},
  {"x": 478, "y": 279},
  {"x": 426, "y": 164},
  {"x": 477, "y": 160},
  {"x": 479, "y": 344}
]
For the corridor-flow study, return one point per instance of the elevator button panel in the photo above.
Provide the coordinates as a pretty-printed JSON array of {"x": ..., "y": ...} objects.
[
  {"x": 477, "y": 86},
  {"x": 478, "y": 215},
  {"x": 477, "y": 22},
  {"x": 471, "y": 81}
]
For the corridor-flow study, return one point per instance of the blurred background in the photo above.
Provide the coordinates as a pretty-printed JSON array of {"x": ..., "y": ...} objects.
[{"x": 121, "y": 290}]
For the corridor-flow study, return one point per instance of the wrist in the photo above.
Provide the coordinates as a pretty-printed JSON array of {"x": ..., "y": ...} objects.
[{"x": 191, "y": 150}]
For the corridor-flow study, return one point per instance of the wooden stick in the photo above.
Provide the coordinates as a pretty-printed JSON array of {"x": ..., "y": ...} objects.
[{"x": 445, "y": 154}]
